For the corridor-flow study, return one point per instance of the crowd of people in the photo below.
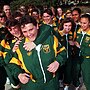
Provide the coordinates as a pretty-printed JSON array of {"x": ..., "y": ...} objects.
[{"x": 39, "y": 49}]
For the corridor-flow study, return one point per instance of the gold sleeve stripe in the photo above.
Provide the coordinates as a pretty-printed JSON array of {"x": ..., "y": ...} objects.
[
  {"x": 74, "y": 36},
  {"x": 4, "y": 54},
  {"x": 15, "y": 61},
  {"x": 55, "y": 45},
  {"x": 5, "y": 45},
  {"x": 88, "y": 32},
  {"x": 13, "y": 41},
  {"x": 60, "y": 32},
  {"x": 87, "y": 57},
  {"x": 61, "y": 49},
  {"x": 1, "y": 53}
]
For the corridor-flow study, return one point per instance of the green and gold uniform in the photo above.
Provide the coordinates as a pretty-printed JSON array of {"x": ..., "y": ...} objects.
[
  {"x": 3, "y": 75},
  {"x": 35, "y": 64},
  {"x": 71, "y": 65},
  {"x": 5, "y": 49},
  {"x": 8, "y": 45},
  {"x": 83, "y": 38}
]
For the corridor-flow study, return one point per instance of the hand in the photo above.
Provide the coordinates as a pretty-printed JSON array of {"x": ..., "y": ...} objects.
[
  {"x": 24, "y": 78},
  {"x": 29, "y": 46},
  {"x": 15, "y": 47},
  {"x": 77, "y": 44},
  {"x": 53, "y": 67}
]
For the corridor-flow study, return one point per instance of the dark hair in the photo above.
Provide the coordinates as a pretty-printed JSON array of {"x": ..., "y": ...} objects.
[
  {"x": 66, "y": 20},
  {"x": 59, "y": 7},
  {"x": 48, "y": 11},
  {"x": 28, "y": 19},
  {"x": 77, "y": 9},
  {"x": 13, "y": 22},
  {"x": 2, "y": 13},
  {"x": 16, "y": 14},
  {"x": 67, "y": 12},
  {"x": 34, "y": 10},
  {"x": 86, "y": 16}
]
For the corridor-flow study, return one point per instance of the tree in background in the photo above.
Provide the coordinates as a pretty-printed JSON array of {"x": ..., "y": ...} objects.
[{"x": 16, "y": 3}]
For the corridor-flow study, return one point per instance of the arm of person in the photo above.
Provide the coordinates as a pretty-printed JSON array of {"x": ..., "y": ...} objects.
[
  {"x": 60, "y": 52},
  {"x": 17, "y": 69},
  {"x": 60, "y": 57},
  {"x": 2, "y": 54}
]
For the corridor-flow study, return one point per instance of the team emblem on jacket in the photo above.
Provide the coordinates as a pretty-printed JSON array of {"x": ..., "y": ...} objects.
[
  {"x": 77, "y": 37},
  {"x": 87, "y": 39},
  {"x": 29, "y": 53},
  {"x": 46, "y": 48}
]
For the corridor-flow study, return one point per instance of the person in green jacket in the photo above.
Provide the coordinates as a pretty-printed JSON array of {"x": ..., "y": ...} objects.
[
  {"x": 3, "y": 34},
  {"x": 83, "y": 43},
  {"x": 7, "y": 44},
  {"x": 71, "y": 65},
  {"x": 37, "y": 69}
]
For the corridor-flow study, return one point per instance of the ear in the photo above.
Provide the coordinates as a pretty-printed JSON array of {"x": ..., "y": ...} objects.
[{"x": 37, "y": 26}]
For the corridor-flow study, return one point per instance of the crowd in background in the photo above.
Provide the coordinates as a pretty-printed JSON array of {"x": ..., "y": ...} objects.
[{"x": 63, "y": 39}]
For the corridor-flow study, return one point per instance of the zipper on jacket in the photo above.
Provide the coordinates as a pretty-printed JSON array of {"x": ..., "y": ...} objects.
[{"x": 40, "y": 61}]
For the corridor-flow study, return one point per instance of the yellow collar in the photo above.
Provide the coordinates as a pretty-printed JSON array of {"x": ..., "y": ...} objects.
[
  {"x": 87, "y": 32},
  {"x": 27, "y": 40}
]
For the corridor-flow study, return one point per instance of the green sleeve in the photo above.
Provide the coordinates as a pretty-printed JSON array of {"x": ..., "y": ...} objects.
[
  {"x": 61, "y": 58},
  {"x": 15, "y": 70},
  {"x": 9, "y": 54},
  {"x": 2, "y": 63}
]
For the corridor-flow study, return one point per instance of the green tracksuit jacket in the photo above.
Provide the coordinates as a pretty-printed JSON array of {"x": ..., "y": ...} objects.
[
  {"x": 83, "y": 39},
  {"x": 70, "y": 68},
  {"x": 7, "y": 44},
  {"x": 36, "y": 63}
]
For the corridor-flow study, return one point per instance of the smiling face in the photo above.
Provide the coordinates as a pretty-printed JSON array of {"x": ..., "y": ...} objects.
[
  {"x": 7, "y": 10},
  {"x": 30, "y": 31},
  {"x": 15, "y": 31},
  {"x": 67, "y": 27},
  {"x": 59, "y": 12},
  {"x": 47, "y": 18},
  {"x": 75, "y": 16},
  {"x": 35, "y": 15},
  {"x": 85, "y": 24}
]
